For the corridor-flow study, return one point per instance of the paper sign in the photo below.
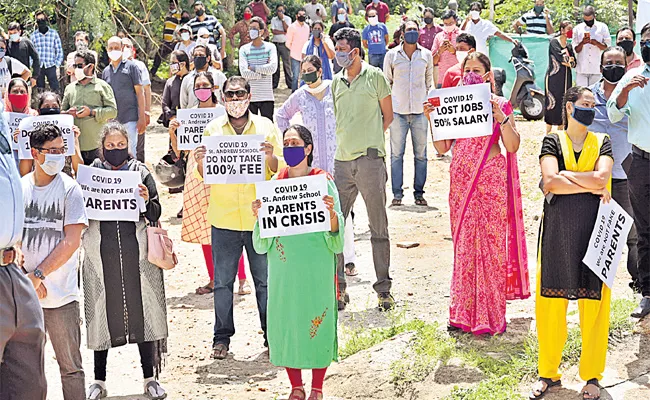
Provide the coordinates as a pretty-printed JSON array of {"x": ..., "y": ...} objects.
[
  {"x": 27, "y": 125},
  {"x": 293, "y": 206},
  {"x": 607, "y": 241},
  {"x": 193, "y": 122},
  {"x": 111, "y": 195},
  {"x": 461, "y": 112},
  {"x": 13, "y": 120},
  {"x": 233, "y": 159}
]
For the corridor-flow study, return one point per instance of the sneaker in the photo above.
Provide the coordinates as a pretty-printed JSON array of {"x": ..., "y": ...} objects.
[
  {"x": 386, "y": 301},
  {"x": 344, "y": 299},
  {"x": 97, "y": 391}
]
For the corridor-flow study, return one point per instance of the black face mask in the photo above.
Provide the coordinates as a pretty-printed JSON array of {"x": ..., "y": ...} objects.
[
  {"x": 428, "y": 21},
  {"x": 185, "y": 19},
  {"x": 116, "y": 157},
  {"x": 627, "y": 45},
  {"x": 200, "y": 62},
  {"x": 645, "y": 54},
  {"x": 42, "y": 25},
  {"x": 613, "y": 73},
  {"x": 200, "y": 12},
  {"x": 589, "y": 23},
  {"x": 302, "y": 18},
  {"x": 584, "y": 116},
  {"x": 49, "y": 111}
]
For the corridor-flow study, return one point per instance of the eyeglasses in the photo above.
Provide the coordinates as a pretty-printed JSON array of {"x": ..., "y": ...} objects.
[
  {"x": 52, "y": 150},
  {"x": 645, "y": 43},
  {"x": 78, "y": 65},
  {"x": 231, "y": 94}
]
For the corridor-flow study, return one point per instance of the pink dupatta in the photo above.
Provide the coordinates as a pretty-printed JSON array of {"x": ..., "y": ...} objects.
[{"x": 517, "y": 279}]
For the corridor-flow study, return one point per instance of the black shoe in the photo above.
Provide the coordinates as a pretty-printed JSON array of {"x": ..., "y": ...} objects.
[
  {"x": 344, "y": 299},
  {"x": 643, "y": 309},
  {"x": 635, "y": 286},
  {"x": 386, "y": 301}
]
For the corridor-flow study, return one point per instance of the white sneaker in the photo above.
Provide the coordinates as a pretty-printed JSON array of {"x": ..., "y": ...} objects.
[
  {"x": 153, "y": 390},
  {"x": 97, "y": 390}
]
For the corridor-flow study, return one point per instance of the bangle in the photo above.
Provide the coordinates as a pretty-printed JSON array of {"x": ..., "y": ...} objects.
[{"x": 505, "y": 120}]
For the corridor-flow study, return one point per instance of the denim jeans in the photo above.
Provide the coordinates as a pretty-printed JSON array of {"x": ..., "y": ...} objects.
[
  {"x": 63, "y": 327},
  {"x": 399, "y": 128},
  {"x": 227, "y": 247},
  {"x": 376, "y": 60},
  {"x": 132, "y": 130},
  {"x": 295, "y": 74}
]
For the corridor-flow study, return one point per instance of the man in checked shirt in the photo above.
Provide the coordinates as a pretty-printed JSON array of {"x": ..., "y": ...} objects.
[{"x": 48, "y": 45}]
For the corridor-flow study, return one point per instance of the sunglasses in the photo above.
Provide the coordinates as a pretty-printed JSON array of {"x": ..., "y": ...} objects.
[
  {"x": 230, "y": 94},
  {"x": 79, "y": 65},
  {"x": 52, "y": 150}
]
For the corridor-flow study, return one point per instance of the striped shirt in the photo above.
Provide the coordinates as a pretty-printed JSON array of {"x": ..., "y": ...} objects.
[
  {"x": 171, "y": 22},
  {"x": 534, "y": 23},
  {"x": 211, "y": 24},
  {"x": 257, "y": 65}
]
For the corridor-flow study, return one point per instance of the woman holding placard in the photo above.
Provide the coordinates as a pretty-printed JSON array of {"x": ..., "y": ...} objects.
[
  {"x": 17, "y": 101},
  {"x": 490, "y": 260},
  {"x": 124, "y": 293},
  {"x": 576, "y": 174},
  {"x": 302, "y": 306}
]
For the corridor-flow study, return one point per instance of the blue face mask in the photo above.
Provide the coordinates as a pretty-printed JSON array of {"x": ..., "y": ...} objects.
[
  {"x": 293, "y": 155},
  {"x": 411, "y": 37},
  {"x": 2, "y": 53},
  {"x": 583, "y": 115}
]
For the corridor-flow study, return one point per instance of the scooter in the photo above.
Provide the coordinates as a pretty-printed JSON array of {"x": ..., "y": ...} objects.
[{"x": 525, "y": 92}]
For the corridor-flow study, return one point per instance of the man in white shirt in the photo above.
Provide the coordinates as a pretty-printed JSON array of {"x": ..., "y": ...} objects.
[
  {"x": 482, "y": 29},
  {"x": 279, "y": 26},
  {"x": 55, "y": 217},
  {"x": 316, "y": 12},
  {"x": 590, "y": 38}
]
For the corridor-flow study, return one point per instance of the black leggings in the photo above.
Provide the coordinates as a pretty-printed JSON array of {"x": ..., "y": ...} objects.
[{"x": 146, "y": 358}]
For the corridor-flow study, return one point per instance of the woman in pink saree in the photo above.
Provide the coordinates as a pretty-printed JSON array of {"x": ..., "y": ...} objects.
[{"x": 490, "y": 261}]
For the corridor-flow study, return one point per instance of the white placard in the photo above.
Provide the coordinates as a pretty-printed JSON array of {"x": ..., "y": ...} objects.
[
  {"x": 293, "y": 206},
  {"x": 233, "y": 159},
  {"x": 64, "y": 121},
  {"x": 461, "y": 112},
  {"x": 193, "y": 122},
  {"x": 111, "y": 195},
  {"x": 13, "y": 120},
  {"x": 607, "y": 241}
]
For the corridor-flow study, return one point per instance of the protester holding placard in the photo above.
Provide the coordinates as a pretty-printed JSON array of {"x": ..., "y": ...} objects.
[
  {"x": 17, "y": 101},
  {"x": 116, "y": 267},
  {"x": 302, "y": 306},
  {"x": 229, "y": 211},
  {"x": 486, "y": 216},
  {"x": 576, "y": 174}
]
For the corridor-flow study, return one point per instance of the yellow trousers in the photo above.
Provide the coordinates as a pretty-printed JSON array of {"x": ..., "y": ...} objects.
[{"x": 552, "y": 333}]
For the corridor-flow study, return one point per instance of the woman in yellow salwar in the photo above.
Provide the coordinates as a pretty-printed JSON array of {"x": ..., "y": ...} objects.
[{"x": 576, "y": 175}]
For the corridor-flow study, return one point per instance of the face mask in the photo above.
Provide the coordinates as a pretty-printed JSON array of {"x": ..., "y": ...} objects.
[
  {"x": 538, "y": 9},
  {"x": 301, "y": 18},
  {"x": 237, "y": 108},
  {"x": 203, "y": 94},
  {"x": 203, "y": 41},
  {"x": 53, "y": 164},
  {"x": 2, "y": 53},
  {"x": 247, "y": 16},
  {"x": 569, "y": 34},
  {"x": 310, "y": 77},
  {"x": 645, "y": 54},
  {"x": 200, "y": 62},
  {"x": 14, "y": 37},
  {"x": 19, "y": 101},
  {"x": 411, "y": 37},
  {"x": 79, "y": 74},
  {"x": 428, "y": 21},
  {"x": 584, "y": 116},
  {"x": 174, "y": 68},
  {"x": 343, "y": 59},
  {"x": 373, "y": 21},
  {"x": 42, "y": 25},
  {"x": 49, "y": 111},
  {"x": 185, "y": 36},
  {"x": 474, "y": 15},
  {"x": 589, "y": 23},
  {"x": 316, "y": 34},
  {"x": 116, "y": 157},
  {"x": 460, "y": 55},
  {"x": 293, "y": 155},
  {"x": 253, "y": 34},
  {"x": 472, "y": 78},
  {"x": 127, "y": 53},
  {"x": 449, "y": 28},
  {"x": 185, "y": 19},
  {"x": 115, "y": 55},
  {"x": 341, "y": 17},
  {"x": 627, "y": 45},
  {"x": 200, "y": 12},
  {"x": 613, "y": 73},
  {"x": 81, "y": 45}
]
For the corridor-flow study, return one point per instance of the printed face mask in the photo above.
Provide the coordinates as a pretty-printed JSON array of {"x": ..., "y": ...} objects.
[
  {"x": 584, "y": 116},
  {"x": 472, "y": 78},
  {"x": 81, "y": 45},
  {"x": 203, "y": 94},
  {"x": 237, "y": 108},
  {"x": 53, "y": 164},
  {"x": 293, "y": 155}
]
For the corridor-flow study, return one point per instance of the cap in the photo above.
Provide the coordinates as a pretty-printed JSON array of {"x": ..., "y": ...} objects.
[
  {"x": 197, "y": 3},
  {"x": 202, "y": 31}
]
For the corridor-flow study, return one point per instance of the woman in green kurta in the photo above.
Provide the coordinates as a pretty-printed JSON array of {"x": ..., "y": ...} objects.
[{"x": 302, "y": 308}]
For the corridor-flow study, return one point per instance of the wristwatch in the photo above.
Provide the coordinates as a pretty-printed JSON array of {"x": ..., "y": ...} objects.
[{"x": 39, "y": 274}]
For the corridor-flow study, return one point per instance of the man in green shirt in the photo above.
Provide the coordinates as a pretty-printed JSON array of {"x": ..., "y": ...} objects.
[
  {"x": 91, "y": 102},
  {"x": 363, "y": 109}
]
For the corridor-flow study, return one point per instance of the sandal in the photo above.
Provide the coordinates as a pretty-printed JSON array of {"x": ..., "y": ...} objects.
[
  {"x": 244, "y": 288},
  {"x": 542, "y": 392},
  {"x": 421, "y": 202},
  {"x": 316, "y": 394},
  {"x": 351, "y": 269},
  {"x": 591, "y": 394},
  {"x": 152, "y": 390},
  {"x": 219, "y": 351},
  {"x": 96, "y": 392},
  {"x": 396, "y": 203},
  {"x": 207, "y": 289},
  {"x": 298, "y": 393}
]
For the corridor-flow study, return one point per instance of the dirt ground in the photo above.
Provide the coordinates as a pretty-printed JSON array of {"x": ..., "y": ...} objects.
[{"x": 420, "y": 275}]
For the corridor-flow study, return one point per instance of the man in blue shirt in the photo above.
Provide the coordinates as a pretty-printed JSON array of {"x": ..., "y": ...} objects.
[
  {"x": 631, "y": 98},
  {"x": 48, "y": 45},
  {"x": 375, "y": 37},
  {"x": 612, "y": 67}
]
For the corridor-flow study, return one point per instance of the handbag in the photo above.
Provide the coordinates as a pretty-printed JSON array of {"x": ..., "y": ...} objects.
[
  {"x": 160, "y": 248},
  {"x": 170, "y": 172}
]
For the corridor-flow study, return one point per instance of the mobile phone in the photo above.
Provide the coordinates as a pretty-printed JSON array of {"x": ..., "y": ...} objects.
[{"x": 588, "y": 35}]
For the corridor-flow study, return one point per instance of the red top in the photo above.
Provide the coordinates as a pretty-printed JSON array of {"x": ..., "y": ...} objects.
[
  {"x": 382, "y": 10},
  {"x": 258, "y": 10},
  {"x": 452, "y": 76},
  {"x": 284, "y": 173}
]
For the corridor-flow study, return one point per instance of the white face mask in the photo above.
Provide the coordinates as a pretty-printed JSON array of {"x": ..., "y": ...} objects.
[
  {"x": 461, "y": 55},
  {"x": 373, "y": 21},
  {"x": 14, "y": 37},
  {"x": 127, "y": 53},
  {"x": 449, "y": 28},
  {"x": 475, "y": 15},
  {"x": 203, "y": 41},
  {"x": 79, "y": 74},
  {"x": 185, "y": 36},
  {"x": 53, "y": 164},
  {"x": 114, "y": 55}
]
